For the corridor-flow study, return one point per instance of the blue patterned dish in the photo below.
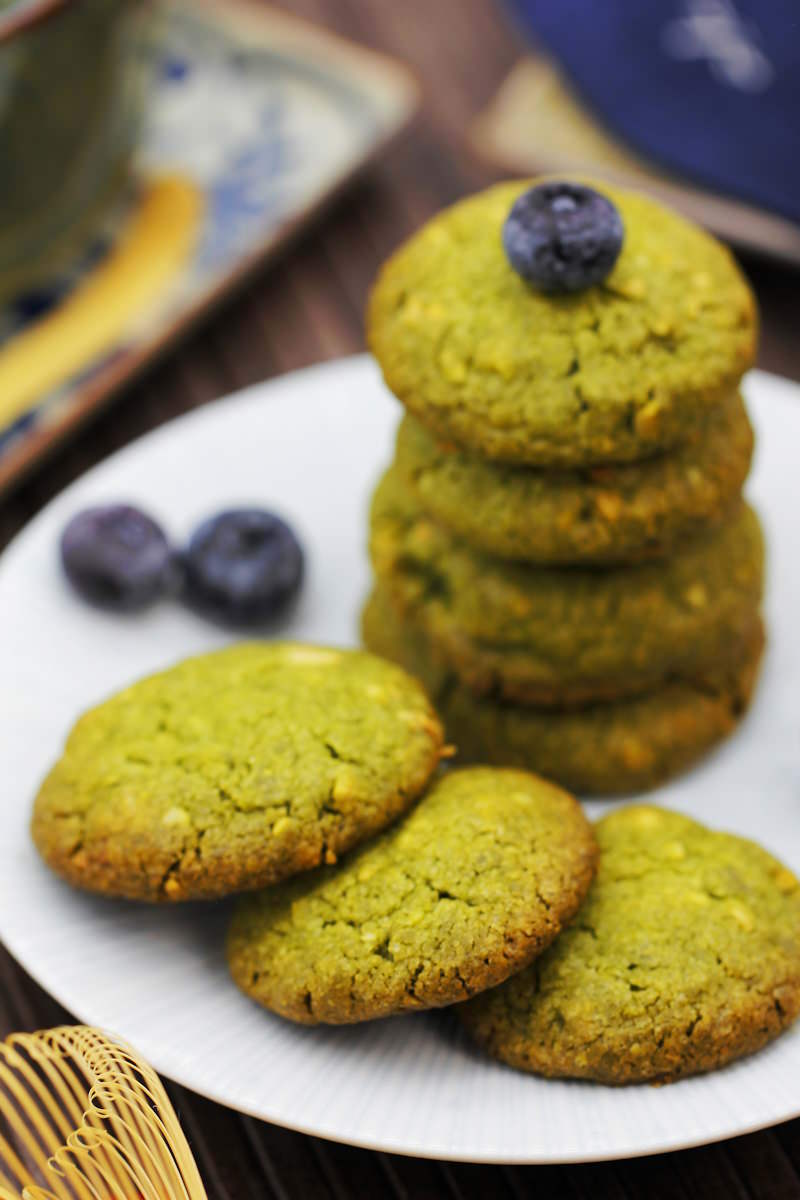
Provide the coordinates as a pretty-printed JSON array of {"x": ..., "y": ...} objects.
[
  {"x": 709, "y": 89},
  {"x": 252, "y": 121}
]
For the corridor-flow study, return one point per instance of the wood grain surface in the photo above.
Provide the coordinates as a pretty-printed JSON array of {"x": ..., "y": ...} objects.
[{"x": 305, "y": 309}]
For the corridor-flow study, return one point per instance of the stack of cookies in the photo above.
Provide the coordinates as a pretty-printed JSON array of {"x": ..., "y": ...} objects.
[{"x": 561, "y": 548}]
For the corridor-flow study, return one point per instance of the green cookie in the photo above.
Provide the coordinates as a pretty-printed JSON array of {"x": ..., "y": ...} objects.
[
  {"x": 604, "y": 514},
  {"x": 234, "y": 770},
  {"x": 605, "y": 749},
  {"x": 684, "y": 956},
  {"x": 567, "y": 636},
  {"x": 614, "y": 373},
  {"x": 467, "y": 889}
]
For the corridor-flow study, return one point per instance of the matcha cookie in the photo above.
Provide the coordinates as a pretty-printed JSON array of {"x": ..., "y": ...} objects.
[
  {"x": 684, "y": 956},
  {"x": 613, "y": 373},
  {"x": 604, "y": 514},
  {"x": 605, "y": 749},
  {"x": 234, "y": 770},
  {"x": 467, "y": 889},
  {"x": 567, "y": 636}
]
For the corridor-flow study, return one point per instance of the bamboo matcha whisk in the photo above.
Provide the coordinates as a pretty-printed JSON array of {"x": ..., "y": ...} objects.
[{"x": 83, "y": 1118}]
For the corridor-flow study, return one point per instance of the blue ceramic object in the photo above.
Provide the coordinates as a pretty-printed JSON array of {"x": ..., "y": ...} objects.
[
  {"x": 708, "y": 88},
  {"x": 252, "y": 120}
]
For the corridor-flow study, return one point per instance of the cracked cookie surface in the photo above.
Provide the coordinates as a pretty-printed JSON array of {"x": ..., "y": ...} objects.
[
  {"x": 613, "y": 373},
  {"x": 603, "y": 514},
  {"x": 684, "y": 956},
  {"x": 467, "y": 889},
  {"x": 233, "y": 770},
  {"x": 567, "y": 636}
]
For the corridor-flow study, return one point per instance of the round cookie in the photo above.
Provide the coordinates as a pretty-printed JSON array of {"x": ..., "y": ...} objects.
[
  {"x": 614, "y": 373},
  {"x": 684, "y": 956},
  {"x": 604, "y": 514},
  {"x": 605, "y": 749},
  {"x": 234, "y": 770},
  {"x": 467, "y": 889},
  {"x": 567, "y": 636}
]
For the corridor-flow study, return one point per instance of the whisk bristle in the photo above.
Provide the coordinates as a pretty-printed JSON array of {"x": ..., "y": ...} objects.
[{"x": 82, "y": 1117}]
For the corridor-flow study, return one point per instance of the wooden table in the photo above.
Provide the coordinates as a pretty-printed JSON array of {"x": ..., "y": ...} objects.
[{"x": 307, "y": 308}]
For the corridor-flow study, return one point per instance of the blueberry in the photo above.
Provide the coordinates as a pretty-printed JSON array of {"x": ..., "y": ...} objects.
[
  {"x": 562, "y": 237},
  {"x": 242, "y": 567},
  {"x": 117, "y": 557}
]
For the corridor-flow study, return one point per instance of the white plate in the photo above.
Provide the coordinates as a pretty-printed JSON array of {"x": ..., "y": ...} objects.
[{"x": 311, "y": 445}]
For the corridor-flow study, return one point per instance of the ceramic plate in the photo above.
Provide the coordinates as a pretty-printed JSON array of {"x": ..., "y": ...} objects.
[{"x": 311, "y": 445}]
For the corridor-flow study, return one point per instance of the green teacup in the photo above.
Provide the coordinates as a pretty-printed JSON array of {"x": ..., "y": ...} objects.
[{"x": 73, "y": 78}]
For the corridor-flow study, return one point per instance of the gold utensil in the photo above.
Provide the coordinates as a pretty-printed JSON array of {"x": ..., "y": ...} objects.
[{"x": 82, "y": 1117}]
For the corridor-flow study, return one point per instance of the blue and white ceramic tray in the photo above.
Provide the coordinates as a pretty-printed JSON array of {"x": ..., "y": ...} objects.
[{"x": 255, "y": 119}]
